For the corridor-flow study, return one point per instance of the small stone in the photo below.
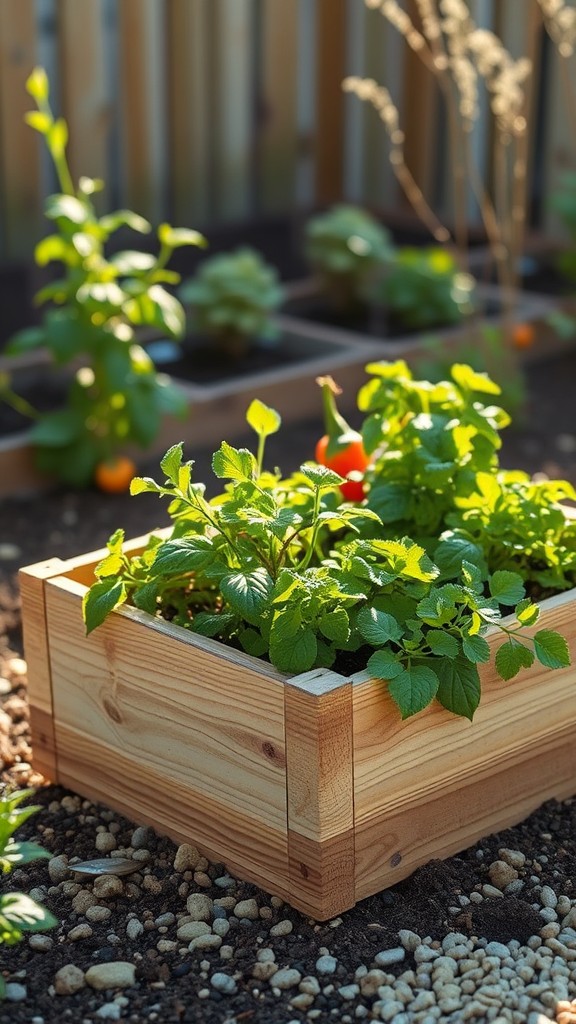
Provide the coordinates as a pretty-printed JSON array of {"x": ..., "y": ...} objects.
[
  {"x": 105, "y": 842},
  {"x": 83, "y": 900},
  {"x": 310, "y": 985},
  {"x": 199, "y": 906},
  {"x": 17, "y": 666},
  {"x": 134, "y": 929},
  {"x": 326, "y": 964},
  {"x": 548, "y": 897},
  {"x": 206, "y": 942},
  {"x": 140, "y": 837},
  {"x": 302, "y": 1001},
  {"x": 109, "y": 1011},
  {"x": 68, "y": 979},
  {"x": 107, "y": 887},
  {"x": 282, "y": 928},
  {"x": 515, "y": 858},
  {"x": 166, "y": 945},
  {"x": 41, "y": 943},
  {"x": 247, "y": 909},
  {"x": 410, "y": 940},
  {"x": 264, "y": 971},
  {"x": 221, "y": 927},
  {"x": 81, "y": 931},
  {"x": 97, "y": 914},
  {"x": 497, "y": 949},
  {"x": 186, "y": 858},
  {"x": 117, "y": 974},
  {"x": 285, "y": 978},
  {"x": 5, "y": 686},
  {"x": 371, "y": 982},
  {"x": 14, "y": 992},
  {"x": 501, "y": 874},
  {"x": 58, "y": 869},
  {"x": 224, "y": 983},
  {"x": 192, "y": 930},
  {"x": 348, "y": 992},
  {"x": 386, "y": 957}
]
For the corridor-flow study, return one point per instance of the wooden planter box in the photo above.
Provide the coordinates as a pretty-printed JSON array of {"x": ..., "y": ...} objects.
[
  {"x": 219, "y": 410},
  {"x": 311, "y": 786}
]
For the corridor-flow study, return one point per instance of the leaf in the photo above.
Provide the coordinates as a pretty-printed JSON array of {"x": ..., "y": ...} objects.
[
  {"x": 413, "y": 689},
  {"x": 17, "y": 853},
  {"x": 144, "y": 484},
  {"x": 248, "y": 593},
  {"x": 37, "y": 85},
  {"x": 174, "y": 238},
  {"x": 230, "y": 463},
  {"x": 65, "y": 207},
  {"x": 209, "y": 625},
  {"x": 112, "y": 221},
  {"x": 527, "y": 612},
  {"x": 470, "y": 380},
  {"x": 57, "y": 137},
  {"x": 321, "y": 476},
  {"x": 551, "y": 649},
  {"x": 459, "y": 690},
  {"x": 184, "y": 555},
  {"x": 378, "y": 627},
  {"x": 384, "y": 665},
  {"x": 511, "y": 657},
  {"x": 25, "y": 914},
  {"x": 109, "y": 566},
  {"x": 263, "y": 420},
  {"x": 171, "y": 462},
  {"x": 506, "y": 587},
  {"x": 335, "y": 625},
  {"x": 102, "y": 598},
  {"x": 56, "y": 429},
  {"x": 476, "y": 648},
  {"x": 441, "y": 643},
  {"x": 297, "y": 654}
]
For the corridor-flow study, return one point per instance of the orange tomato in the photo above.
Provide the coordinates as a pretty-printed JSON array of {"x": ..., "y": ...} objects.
[
  {"x": 523, "y": 335},
  {"x": 114, "y": 475}
]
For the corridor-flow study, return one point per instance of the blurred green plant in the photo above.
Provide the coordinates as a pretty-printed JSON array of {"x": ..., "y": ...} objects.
[
  {"x": 232, "y": 298},
  {"x": 93, "y": 313},
  {"x": 423, "y": 288},
  {"x": 18, "y": 912},
  {"x": 347, "y": 249}
]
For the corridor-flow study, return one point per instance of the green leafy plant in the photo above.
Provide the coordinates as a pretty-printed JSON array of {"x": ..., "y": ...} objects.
[
  {"x": 93, "y": 314},
  {"x": 233, "y": 296},
  {"x": 347, "y": 249},
  {"x": 422, "y": 288},
  {"x": 405, "y": 582},
  {"x": 18, "y": 912}
]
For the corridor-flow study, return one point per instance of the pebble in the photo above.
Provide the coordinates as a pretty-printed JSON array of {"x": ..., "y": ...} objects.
[
  {"x": 206, "y": 942},
  {"x": 187, "y": 858},
  {"x": 386, "y": 957},
  {"x": 224, "y": 983},
  {"x": 108, "y": 887},
  {"x": 247, "y": 909},
  {"x": 326, "y": 964},
  {"x": 69, "y": 979},
  {"x": 288, "y": 977},
  {"x": 58, "y": 869},
  {"x": 199, "y": 906},
  {"x": 117, "y": 974},
  {"x": 109, "y": 1011},
  {"x": 105, "y": 842},
  {"x": 282, "y": 928},
  {"x": 501, "y": 874},
  {"x": 97, "y": 914},
  {"x": 81, "y": 931},
  {"x": 192, "y": 930},
  {"x": 14, "y": 992},
  {"x": 41, "y": 943},
  {"x": 140, "y": 837}
]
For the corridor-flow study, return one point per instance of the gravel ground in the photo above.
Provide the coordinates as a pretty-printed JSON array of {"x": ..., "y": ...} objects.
[{"x": 489, "y": 935}]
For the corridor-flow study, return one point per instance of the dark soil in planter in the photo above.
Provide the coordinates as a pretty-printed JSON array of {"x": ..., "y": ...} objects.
[{"x": 200, "y": 360}]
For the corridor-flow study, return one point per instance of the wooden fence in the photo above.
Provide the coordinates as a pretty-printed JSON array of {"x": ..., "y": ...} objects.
[{"x": 206, "y": 111}]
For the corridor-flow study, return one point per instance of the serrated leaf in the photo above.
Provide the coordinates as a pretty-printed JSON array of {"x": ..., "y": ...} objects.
[
  {"x": 263, "y": 420},
  {"x": 142, "y": 484},
  {"x": 253, "y": 642},
  {"x": 413, "y": 689},
  {"x": 183, "y": 555},
  {"x": 248, "y": 593},
  {"x": 335, "y": 625},
  {"x": 321, "y": 476},
  {"x": 511, "y": 657},
  {"x": 378, "y": 627},
  {"x": 527, "y": 612},
  {"x": 459, "y": 689},
  {"x": 506, "y": 587},
  {"x": 212, "y": 625},
  {"x": 471, "y": 380},
  {"x": 146, "y": 597},
  {"x": 171, "y": 462},
  {"x": 297, "y": 654},
  {"x": 109, "y": 566},
  {"x": 102, "y": 598},
  {"x": 551, "y": 649},
  {"x": 230, "y": 463},
  {"x": 384, "y": 665},
  {"x": 441, "y": 643},
  {"x": 476, "y": 648}
]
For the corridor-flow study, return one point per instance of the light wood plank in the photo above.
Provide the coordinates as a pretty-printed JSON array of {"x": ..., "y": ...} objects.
[
  {"x": 442, "y": 822},
  {"x": 278, "y": 130},
  {"x": 232, "y": 81},
  {"x": 189, "y": 104},
  {"x": 169, "y": 704},
  {"x": 19, "y": 144},
  {"x": 83, "y": 89},
  {"x": 322, "y": 874},
  {"x": 414, "y": 760}
]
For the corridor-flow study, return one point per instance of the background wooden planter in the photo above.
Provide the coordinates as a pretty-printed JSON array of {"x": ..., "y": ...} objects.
[{"x": 310, "y": 786}]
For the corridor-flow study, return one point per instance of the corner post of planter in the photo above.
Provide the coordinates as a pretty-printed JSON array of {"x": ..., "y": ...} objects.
[
  {"x": 37, "y": 654},
  {"x": 320, "y": 793}
]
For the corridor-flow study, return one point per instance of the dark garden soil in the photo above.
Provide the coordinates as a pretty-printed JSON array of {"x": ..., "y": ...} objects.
[{"x": 138, "y": 923}]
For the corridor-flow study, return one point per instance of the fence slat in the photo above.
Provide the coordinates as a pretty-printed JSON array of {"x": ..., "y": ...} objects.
[
  {"x": 234, "y": 114},
  {"x": 84, "y": 100},
  {"x": 278, "y": 135},
  {"x": 330, "y": 70},
  {"x": 19, "y": 146},
  {"x": 142, "y": 105},
  {"x": 189, "y": 89}
]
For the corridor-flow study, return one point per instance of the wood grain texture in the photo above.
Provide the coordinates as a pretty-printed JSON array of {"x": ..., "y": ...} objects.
[
  {"x": 167, "y": 703},
  {"x": 408, "y": 832},
  {"x": 330, "y": 70},
  {"x": 389, "y": 754},
  {"x": 83, "y": 85},
  {"x": 322, "y": 874}
]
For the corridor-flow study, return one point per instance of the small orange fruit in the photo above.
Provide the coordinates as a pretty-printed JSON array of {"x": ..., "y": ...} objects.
[
  {"x": 523, "y": 335},
  {"x": 114, "y": 475}
]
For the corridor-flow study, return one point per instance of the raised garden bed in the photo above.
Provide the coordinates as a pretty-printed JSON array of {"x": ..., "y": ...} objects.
[{"x": 310, "y": 786}]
